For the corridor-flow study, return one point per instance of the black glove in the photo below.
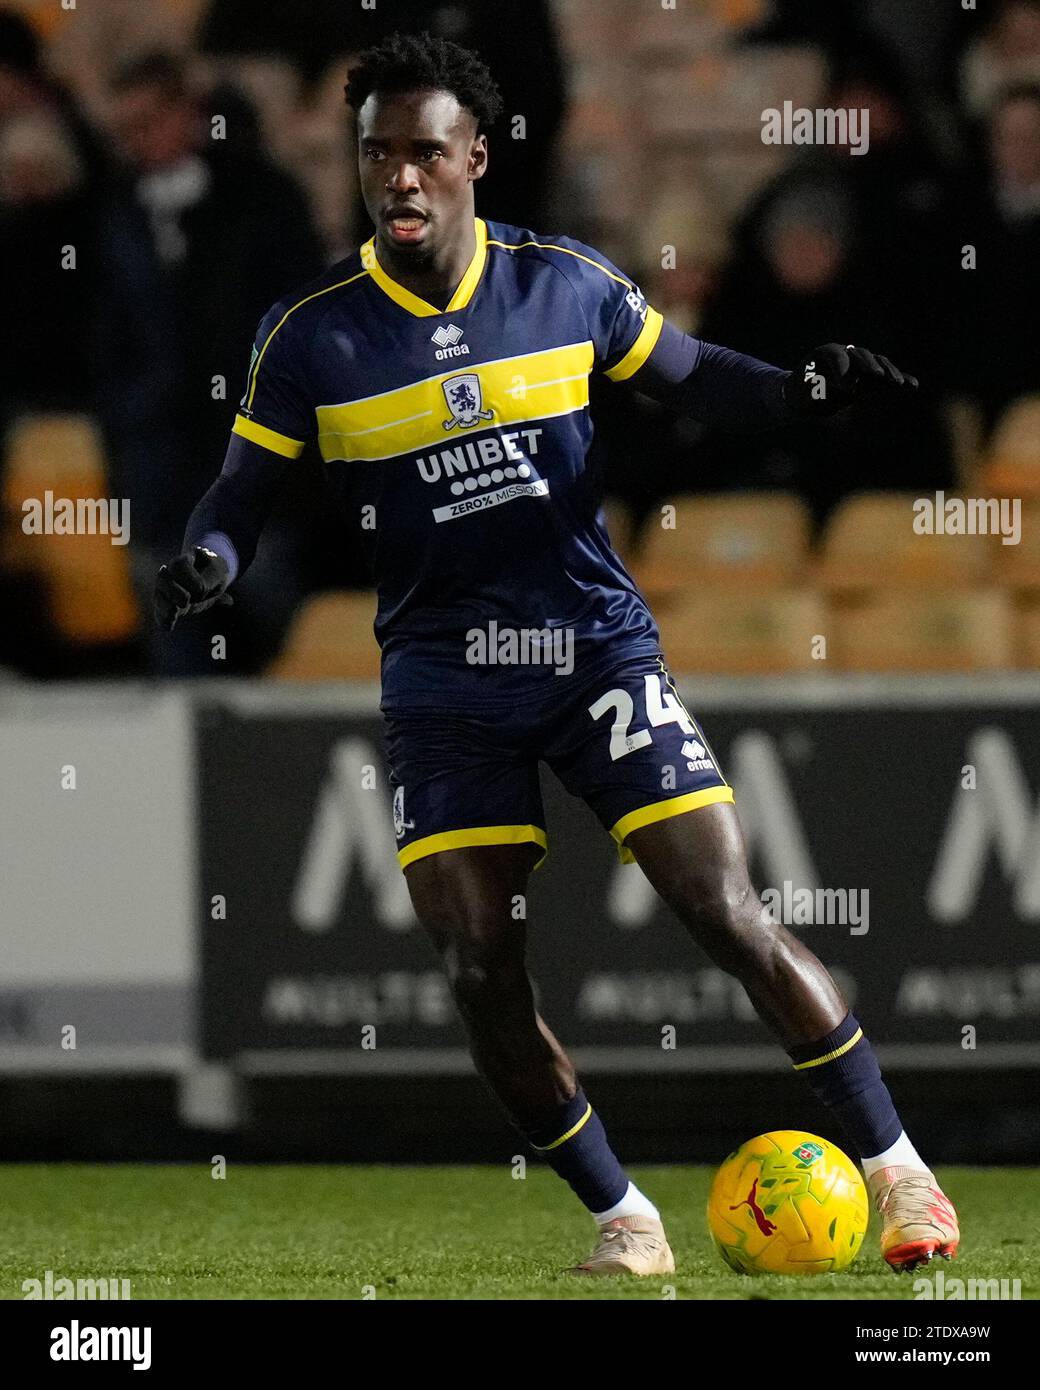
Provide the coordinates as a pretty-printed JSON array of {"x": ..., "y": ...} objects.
[
  {"x": 192, "y": 583},
  {"x": 832, "y": 377}
]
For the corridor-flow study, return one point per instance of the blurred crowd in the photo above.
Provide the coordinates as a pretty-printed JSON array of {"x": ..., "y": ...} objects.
[{"x": 170, "y": 168}]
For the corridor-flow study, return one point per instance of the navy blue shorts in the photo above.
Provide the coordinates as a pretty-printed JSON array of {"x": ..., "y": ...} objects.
[{"x": 623, "y": 742}]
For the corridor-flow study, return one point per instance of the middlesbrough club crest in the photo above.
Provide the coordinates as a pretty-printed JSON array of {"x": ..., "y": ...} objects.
[
  {"x": 464, "y": 401},
  {"x": 400, "y": 824}
]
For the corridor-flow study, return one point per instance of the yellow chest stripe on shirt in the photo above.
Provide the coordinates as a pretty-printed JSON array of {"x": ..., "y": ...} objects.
[{"x": 535, "y": 386}]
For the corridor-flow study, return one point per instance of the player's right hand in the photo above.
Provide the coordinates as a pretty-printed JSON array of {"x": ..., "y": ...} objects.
[
  {"x": 831, "y": 377},
  {"x": 190, "y": 584}
]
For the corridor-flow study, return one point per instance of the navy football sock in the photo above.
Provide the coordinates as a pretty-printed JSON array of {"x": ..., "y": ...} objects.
[
  {"x": 574, "y": 1144},
  {"x": 843, "y": 1072}
]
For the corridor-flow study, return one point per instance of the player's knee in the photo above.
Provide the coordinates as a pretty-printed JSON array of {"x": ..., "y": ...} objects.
[
  {"x": 719, "y": 901},
  {"x": 480, "y": 971},
  {"x": 728, "y": 921}
]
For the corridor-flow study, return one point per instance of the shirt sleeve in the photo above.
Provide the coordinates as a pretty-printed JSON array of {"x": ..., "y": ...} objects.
[
  {"x": 231, "y": 516},
  {"x": 714, "y": 384},
  {"x": 623, "y": 327},
  {"x": 275, "y": 411}
]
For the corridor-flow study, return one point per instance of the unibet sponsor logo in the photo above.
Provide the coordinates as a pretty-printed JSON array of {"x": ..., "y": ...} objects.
[
  {"x": 492, "y": 485},
  {"x": 539, "y": 488},
  {"x": 482, "y": 453}
]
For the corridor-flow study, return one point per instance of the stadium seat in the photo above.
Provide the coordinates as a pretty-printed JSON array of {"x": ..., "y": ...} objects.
[
  {"x": 921, "y": 630},
  {"x": 1018, "y": 566},
  {"x": 722, "y": 632},
  {"x": 330, "y": 639},
  {"x": 745, "y": 540},
  {"x": 1012, "y": 467},
  {"x": 870, "y": 542},
  {"x": 87, "y": 577}
]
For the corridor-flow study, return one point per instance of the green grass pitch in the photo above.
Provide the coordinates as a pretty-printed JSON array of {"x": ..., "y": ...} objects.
[{"x": 415, "y": 1233}]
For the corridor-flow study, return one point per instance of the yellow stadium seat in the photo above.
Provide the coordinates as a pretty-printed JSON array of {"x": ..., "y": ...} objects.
[
  {"x": 1018, "y": 566},
  {"x": 923, "y": 630},
  {"x": 1012, "y": 467},
  {"x": 745, "y": 540},
  {"x": 330, "y": 639},
  {"x": 87, "y": 577},
  {"x": 61, "y": 452},
  {"x": 719, "y": 631},
  {"x": 870, "y": 542}
]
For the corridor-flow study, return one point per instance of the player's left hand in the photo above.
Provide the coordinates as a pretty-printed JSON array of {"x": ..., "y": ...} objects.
[
  {"x": 191, "y": 583},
  {"x": 832, "y": 377}
]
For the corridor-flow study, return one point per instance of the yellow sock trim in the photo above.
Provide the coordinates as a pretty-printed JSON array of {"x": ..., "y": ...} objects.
[
  {"x": 544, "y": 1148},
  {"x": 830, "y": 1056}
]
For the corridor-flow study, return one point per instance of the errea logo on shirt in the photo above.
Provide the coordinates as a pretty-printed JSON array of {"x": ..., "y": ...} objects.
[{"x": 447, "y": 338}]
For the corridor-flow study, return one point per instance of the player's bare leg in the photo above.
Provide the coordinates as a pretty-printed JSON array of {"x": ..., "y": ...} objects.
[
  {"x": 467, "y": 901},
  {"x": 697, "y": 863}
]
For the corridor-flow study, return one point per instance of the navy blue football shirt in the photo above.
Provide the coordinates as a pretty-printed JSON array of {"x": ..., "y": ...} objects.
[{"x": 466, "y": 430}]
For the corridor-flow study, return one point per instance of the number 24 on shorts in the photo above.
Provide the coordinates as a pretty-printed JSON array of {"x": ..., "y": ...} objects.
[{"x": 662, "y": 707}]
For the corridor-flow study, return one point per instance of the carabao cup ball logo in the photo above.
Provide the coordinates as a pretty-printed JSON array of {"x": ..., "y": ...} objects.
[{"x": 465, "y": 401}]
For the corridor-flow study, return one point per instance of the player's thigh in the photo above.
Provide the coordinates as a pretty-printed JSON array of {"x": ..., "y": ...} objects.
[
  {"x": 697, "y": 862},
  {"x": 469, "y": 825},
  {"x": 473, "y": 897},
  {"x": 460, "y": 783}
]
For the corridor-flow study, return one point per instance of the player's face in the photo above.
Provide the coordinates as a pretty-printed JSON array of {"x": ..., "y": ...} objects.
[{"x": 418, "y": 155}]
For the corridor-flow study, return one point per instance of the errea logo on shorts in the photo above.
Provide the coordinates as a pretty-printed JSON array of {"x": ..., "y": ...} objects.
[{"x": 697, "y": 756}]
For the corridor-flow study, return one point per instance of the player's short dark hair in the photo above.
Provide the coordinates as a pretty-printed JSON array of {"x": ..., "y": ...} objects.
[{"x": 413, "y": 62}]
